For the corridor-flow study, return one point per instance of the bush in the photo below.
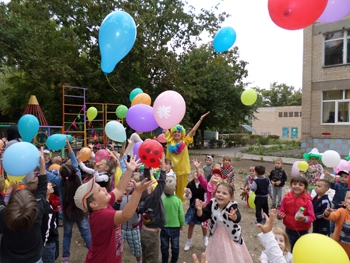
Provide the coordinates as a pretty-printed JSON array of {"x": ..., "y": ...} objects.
[{"x": 273, "y": 137}]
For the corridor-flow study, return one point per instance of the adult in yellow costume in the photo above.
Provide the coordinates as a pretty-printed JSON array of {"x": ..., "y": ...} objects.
[{"x": 177, "y": 152}]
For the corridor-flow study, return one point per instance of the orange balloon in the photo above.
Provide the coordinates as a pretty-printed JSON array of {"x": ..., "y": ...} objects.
[
  {"x": 85, "y": 154},
  {"x": 55, "y": 166},
  {"x": 142, "y": 98}
]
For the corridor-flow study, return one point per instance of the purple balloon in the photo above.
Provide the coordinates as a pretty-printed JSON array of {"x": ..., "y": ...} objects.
[
  {"x": 140, "y": 118},
  {"x": 136, "y": 149},
  {"x": 335, "y": 10}
]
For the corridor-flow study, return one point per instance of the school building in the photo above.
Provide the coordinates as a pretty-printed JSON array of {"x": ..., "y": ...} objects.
[
  {"x": 282, "y": 121},
  {"x": 325, "y": 119}
]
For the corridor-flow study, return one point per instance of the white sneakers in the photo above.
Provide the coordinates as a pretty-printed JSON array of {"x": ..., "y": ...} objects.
[
  {"x": 187, "y": 246},
  {"x": 205, "y": 240}
]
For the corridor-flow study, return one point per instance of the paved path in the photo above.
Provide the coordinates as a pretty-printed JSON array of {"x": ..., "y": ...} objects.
[{"x": 235, "y": 152}]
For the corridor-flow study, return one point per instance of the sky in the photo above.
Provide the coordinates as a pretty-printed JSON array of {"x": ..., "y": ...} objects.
[{"x": 274, "y": 54}]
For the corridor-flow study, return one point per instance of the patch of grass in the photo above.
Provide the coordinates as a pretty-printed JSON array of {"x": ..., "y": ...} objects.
[{"x": 276, "y": 150}]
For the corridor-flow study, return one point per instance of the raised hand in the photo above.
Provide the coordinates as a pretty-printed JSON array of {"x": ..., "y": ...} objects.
[
  {"x": 267, "y": 227},
  {"x": 199, "y": 204},
  {"x": 205, "y": 115},
  {"x": 133, "y": 164},
  {"x": 196, "y": 163},
  {"x": 232, "y": 214},
  {"x": 143, "y": 185}
]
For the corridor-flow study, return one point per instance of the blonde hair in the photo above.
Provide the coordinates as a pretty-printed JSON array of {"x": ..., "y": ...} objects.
[
  {"x": 279, "y": 159},
  {"x": 226, "y": 158},
  {"x": 252, "y": 168},
  {"x": 57, "y": 160},
  {"x": 218, "y": 166},
  {"x": 279, "y": 231}
]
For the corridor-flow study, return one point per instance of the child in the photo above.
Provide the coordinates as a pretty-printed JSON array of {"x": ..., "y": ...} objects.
[
  {"x": 20, "y": 222},
  {"x": 130, "y": 228},
  {"x": 57, "y": 160},
  {"x": 291, "y": 203},
  {"x": 315, "y": 170},
  {"x": 168, "y": 168},
  {"x": 320, "y": 204},
  {"x": 153, "y": 218},
  {"x": 106, "y": 237},
  {"x": 224, "y": 229},
  {"x": 208, "y": 167},
  {"x": 262, "y": 188},
  {"x": 174, "y": 213},
  {"x": 283, "y": 242},
  {"x": 102, "y": 171},
  {"x": 249, "y": 180},
  {"x": 194, "y": 191},
  {"x": 341, "y": 217},
  {"x": 227, "y": 170},
  {"x": 277, "y": 178},
  {"x": 68, "y": 181},
  {"x": 47, "y": 158}
]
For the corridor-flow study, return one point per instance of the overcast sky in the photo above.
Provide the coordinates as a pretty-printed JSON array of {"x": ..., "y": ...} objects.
[{"x": 273, "y": 53}]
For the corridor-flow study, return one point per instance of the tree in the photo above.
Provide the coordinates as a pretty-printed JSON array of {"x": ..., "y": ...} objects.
[
  {"x": 280, "y": 95},
  {"x": 54, "y": 43},
  {"x": 214, "y": 82}
]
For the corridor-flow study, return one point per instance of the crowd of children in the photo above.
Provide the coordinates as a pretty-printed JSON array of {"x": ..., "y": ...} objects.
[{"x": 149, "y": 216}]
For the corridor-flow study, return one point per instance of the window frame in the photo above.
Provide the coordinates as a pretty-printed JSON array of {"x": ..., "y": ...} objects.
[
  {"x": 336, "y": 108},
  {"x": 346, "y": 40}
]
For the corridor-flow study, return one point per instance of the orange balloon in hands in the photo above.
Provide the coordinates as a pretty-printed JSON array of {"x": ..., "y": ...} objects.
[{"x": 85, "y": 154}]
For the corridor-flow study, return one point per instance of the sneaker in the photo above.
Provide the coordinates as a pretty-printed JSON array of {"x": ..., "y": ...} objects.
[
  {"x": 65, "y": 260},
  {"x": 205, "y": 241},
  {"x": 187, "y": 246}
]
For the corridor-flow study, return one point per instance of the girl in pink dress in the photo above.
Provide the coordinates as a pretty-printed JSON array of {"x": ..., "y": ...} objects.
[{"x": 226, "y": 244}]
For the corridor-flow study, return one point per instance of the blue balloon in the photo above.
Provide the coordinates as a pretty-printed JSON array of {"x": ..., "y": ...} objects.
[
  {"x": 224, "y": 39},
  {"x": 28, "y": 127},
  {"x": 134, "y": 93},
  {"x": 140, "y": 118},
  {"x": 115, "y": 131},
  {"x": 116, "y": 37},
  {"x": 57, "y": 141},
  {"x": 20, "y": 158}
]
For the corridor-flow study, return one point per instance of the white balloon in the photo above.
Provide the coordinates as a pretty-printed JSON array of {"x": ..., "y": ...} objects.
[
  {"x": 331, "y": 158},
  {"x": 295, "y": 169}
]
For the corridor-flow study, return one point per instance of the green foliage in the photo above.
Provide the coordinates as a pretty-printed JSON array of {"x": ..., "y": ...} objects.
[{"x": 275, "y": 149}]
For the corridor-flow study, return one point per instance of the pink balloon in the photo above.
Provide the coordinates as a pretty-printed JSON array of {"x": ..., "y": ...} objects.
[
  {"x": 101, "y": 154},
  {"x": 169, "y": 108},
  {"x": 343, "y": 165},
  {"x": 335, "y": 10},
  {"x": 295, "y": 169},
  {"x": 161, "y": 138}
]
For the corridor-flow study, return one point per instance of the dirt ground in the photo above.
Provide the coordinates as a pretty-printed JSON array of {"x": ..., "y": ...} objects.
[{"x": 250, "y": 231}]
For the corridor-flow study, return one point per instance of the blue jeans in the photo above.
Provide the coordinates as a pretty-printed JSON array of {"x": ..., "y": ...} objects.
[
  {"x": 171, "y": 234},
  {"x": 49, "y": 253},
  {"x": 84, "y": 230}
]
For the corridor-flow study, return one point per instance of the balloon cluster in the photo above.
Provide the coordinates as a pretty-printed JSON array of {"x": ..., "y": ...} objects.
[{"x": 298, "y": 14}]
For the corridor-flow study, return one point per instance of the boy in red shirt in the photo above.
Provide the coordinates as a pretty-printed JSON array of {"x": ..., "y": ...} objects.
[{"x": 105, "y": 222}]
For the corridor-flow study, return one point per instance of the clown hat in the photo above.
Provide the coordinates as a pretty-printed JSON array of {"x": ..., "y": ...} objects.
[{"x": 314, "y": 153}]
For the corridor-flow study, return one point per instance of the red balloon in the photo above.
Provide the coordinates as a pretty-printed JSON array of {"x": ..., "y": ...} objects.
[
  {"x": 101, "y": 154},
  {"x": 150, "y": 152},
  {"x": 295, "y": 14}
]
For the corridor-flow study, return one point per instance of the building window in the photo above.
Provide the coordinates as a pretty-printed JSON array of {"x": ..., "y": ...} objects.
[
  {"x": 285, "y": 132},
  {"x": 300, "y": 114},
  {"x": 294, "y": 133},
  {"x": 285, "y": 114},
  {"x": 337, "y": 48},
  {"x": 296, "y": 114},
  {"x": 291, "y": 114},
  {"x": 335, "y": 106},
  {"x": 280, "y": 114}
]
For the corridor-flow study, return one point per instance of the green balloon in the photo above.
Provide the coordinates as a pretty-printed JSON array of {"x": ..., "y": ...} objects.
[
  {"x": 121, "y": 111},
  {"x": 249, "y": 97}
]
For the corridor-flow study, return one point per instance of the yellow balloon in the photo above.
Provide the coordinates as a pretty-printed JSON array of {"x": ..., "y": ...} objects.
[
  {"x": 91, "y": 113},
  {"x": 249, "y": 97},
  {"x": 251, "y": 200},
  {"x": 303, "y": 166},
  {"x": 15, "y": 179},
  {"x": 316, "y": 248}
]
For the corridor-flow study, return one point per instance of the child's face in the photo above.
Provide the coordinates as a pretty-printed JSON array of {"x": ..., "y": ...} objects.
[
  {"x": 320, "y": 188},
  {"x": 313, "y": 160},
  {"x": 278, "y": 164},
  {"x": 222, "y": 196},
  {"x": 207, "y": 161},
  {"x": 167, "y": 166},
  {"x": 226, "y": 162},
  {"x": 101, "y": 195},
  {"x": 343, "y": 178},
  {"x": 215, "y": 179},
  {"x": 252, "y": 171},
  {"x": 49, "y": 189},
  {"x": 46, "y": 158},
  {"x": 280, "y": 240},
  {"x": 130, "y": 186},
  {"x": 177, "y": 135},
  {"x": 298, "y": 188},
  {"x": 102, "y": 165}
]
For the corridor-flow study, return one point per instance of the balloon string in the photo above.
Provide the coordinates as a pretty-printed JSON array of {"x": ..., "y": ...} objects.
[{"x": 111, "y": 84}]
